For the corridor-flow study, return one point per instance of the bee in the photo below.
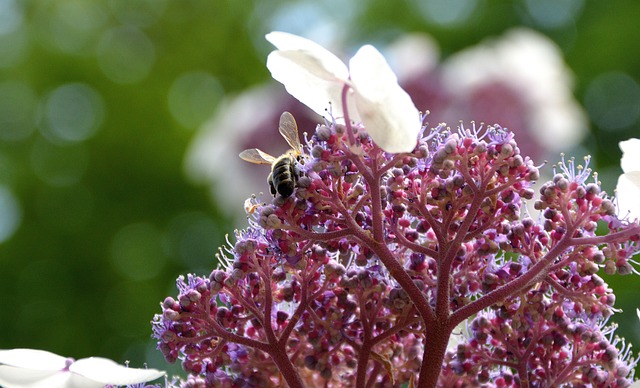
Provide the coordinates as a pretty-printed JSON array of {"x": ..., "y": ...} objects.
[{"x": 283, "y": 177}]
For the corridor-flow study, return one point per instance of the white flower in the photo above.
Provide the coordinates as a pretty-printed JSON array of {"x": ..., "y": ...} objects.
[
  {"x": 30, "y": 368},
  {"x": 628, "y": 189},
  {"x": 316, "y": 78},
  {"x": 531, "y": 66}
]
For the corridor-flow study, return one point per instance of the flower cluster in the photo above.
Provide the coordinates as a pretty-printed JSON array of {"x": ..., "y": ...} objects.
[{"x": 361, "y": 275}]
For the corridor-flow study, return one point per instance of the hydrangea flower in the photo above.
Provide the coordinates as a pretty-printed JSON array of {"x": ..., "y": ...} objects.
[
  {"x": 628, "y": 188},
  {"x": 318, "y": 78},
  {"x": 518, "y": 79},
  {"x": 361, "y": 276},
  {"x": 343, "y": 281},
  {"x": 41, "y": 369}
]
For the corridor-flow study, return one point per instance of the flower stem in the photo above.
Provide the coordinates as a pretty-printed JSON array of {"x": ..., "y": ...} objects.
[{"x": 433, "y": 355}]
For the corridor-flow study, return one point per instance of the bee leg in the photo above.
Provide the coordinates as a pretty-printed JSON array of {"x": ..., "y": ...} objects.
[{"x": 272, "y": 187}]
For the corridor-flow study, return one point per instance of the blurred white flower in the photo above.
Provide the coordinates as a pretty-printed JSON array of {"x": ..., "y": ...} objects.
[
  {"x": 628, "y": 188},
  {"x": 531, "y": 66},
  {"x": 31, "y": 368},
  {"x": 413, "y": 56},
  {"x": 518, "y": 80},
  {"x": 317, "y": 78}
]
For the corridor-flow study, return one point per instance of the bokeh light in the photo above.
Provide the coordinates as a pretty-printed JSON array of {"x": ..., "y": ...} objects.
[
  {"x": 72, "y": 113},
  {"x": 446, "y": 13},
  {"x": 193, "y": 97},
  {"x": 316, "y": 20},
  {"x": 553, "y": 13},
  {"x": 11, "y": 16},
  {"x": 71, "y": 26},
  {"x": 125, "y": 54}
]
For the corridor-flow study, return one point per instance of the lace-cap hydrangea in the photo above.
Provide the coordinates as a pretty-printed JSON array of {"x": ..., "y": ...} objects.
[
  {"x": 360, "y": 275},
  {"x": 318, "y": 79}
]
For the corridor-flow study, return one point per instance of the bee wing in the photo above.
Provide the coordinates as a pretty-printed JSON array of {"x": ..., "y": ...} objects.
[
  {"x": 256, "y": 156},
  {"x": 289, "y": 130}
]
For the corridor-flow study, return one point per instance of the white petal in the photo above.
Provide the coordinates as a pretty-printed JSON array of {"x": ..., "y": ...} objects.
[
  {"x": 628, "y": 191},
  {"x": 33, "y": 359},
  {"x": 107, "y": 371},
  {"x": 15, "y": 377},
  {"x": 322, "y": 62},
  {"x": 389, "y": 115},
  {"x": 11, "y": 376},
  {"x": 630, "y": 155},
  {"x": 309, "y": 72},
  {"x": 310, "y": 88}
]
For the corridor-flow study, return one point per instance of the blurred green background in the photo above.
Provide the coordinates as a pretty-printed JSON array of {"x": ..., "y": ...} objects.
[{"x": 99, "y": 101}]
